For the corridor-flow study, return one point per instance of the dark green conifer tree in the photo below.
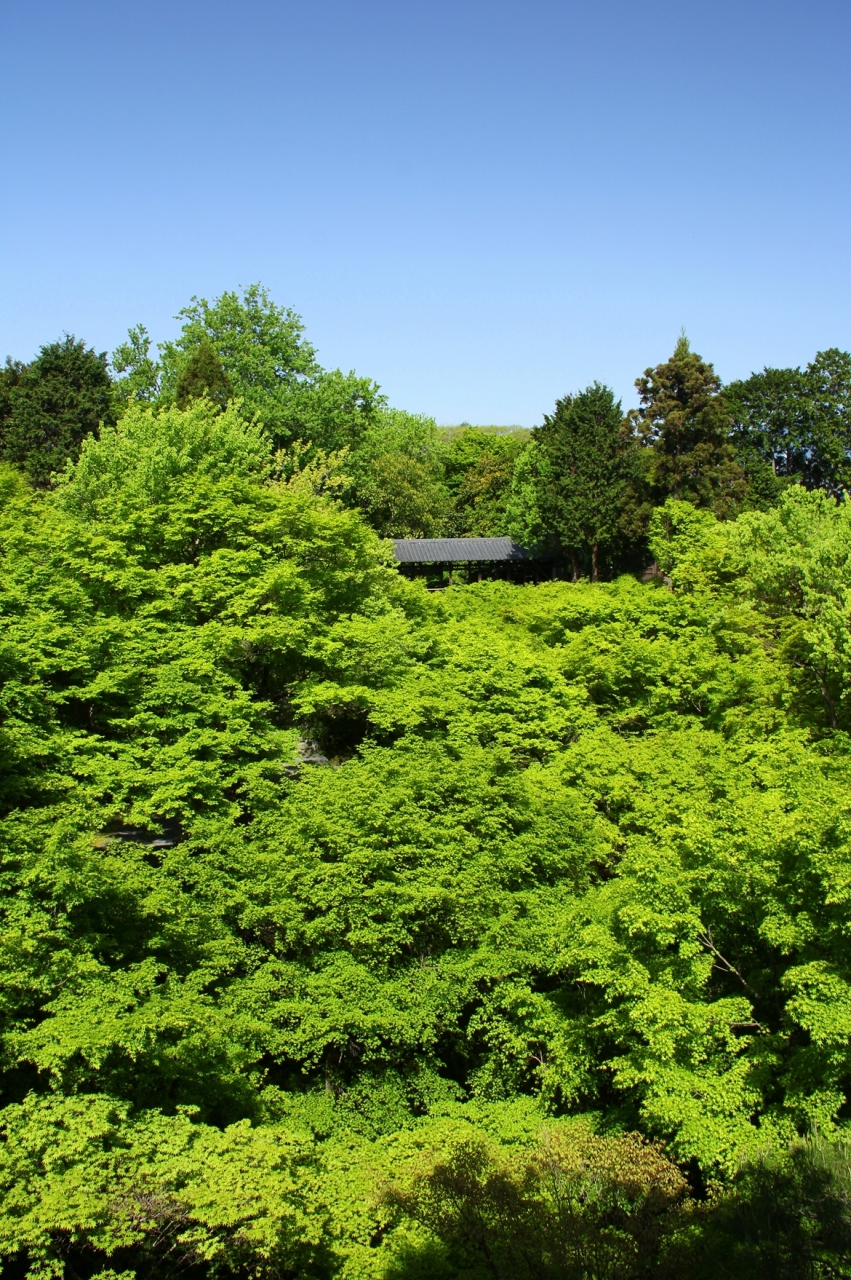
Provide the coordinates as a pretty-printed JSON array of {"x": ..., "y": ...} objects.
[
  {"x": 203, "y": 375},
  {"x": 686, "y": 421},
  {"x": 48, "y": 407},
  {"x": 589, "y": 461},
  {"x": 10, "y": 376}
]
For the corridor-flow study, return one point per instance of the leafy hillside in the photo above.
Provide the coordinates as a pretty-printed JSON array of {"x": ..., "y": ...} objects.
[{"x": 553, "y": 948}]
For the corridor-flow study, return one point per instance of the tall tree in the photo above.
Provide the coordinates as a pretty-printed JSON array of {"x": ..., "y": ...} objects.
[
  {"x": 584, "y": 480},
  {"x": 260, "y": 345},
  {"x": 798, "y": 421},
  {"x": 138, "y": 374},
  {"x": 686, "y": 421},
  {"x": 523, "y": 520},
  {"x": 48, "y": 407},
  {"x": 10, "y": 376},
  {"x": 244, "y": 345},
  {"x": 829, "y": 385}
]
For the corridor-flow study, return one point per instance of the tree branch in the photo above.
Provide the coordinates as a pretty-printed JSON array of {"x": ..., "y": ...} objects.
[{"x": 724, "y": 965}]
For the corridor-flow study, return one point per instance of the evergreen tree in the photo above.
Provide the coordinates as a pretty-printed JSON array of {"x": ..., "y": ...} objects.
[
  {"x": 48, "y": 407},
  {"x": 203, "y": 375},
  {"x": 584, "y": 481},
  {"x": 686, "y": 421},
  {"x": 829, "y": 385},
  {"x": 10, "y": 376}
]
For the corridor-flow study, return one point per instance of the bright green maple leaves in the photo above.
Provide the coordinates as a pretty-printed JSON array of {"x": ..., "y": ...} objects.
[{"x": 581, "y": 849}]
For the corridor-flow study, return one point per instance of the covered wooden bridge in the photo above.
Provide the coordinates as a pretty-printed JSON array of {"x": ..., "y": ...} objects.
[{"x": 435, "y": 558}]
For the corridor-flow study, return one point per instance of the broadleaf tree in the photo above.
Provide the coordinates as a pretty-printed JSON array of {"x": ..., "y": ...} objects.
[
  {"x": 798, "y": 421},
  {"x": 355, "y": 931}
]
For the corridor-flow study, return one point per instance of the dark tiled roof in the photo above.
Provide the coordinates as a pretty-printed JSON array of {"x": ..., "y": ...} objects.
[{"x": 455, "y": 550}]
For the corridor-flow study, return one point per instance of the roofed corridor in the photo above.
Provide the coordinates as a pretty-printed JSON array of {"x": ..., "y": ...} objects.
[{"x": 437, "y": 558}]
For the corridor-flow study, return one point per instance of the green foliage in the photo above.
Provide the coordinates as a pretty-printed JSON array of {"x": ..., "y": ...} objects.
[
  {"x": 574, "y": 1205},
  {"x": 354, "y": 931},
  {"x": 687, "y": 422},
  {"x": 154, "y": 604},
  {"x": 47, "y": 408},
  {"x": 523, "y": 519},
  {"x": 793, "y": 563},
  {"x": 10, "y": 376},
  {"x": 247, "y": 348},
  {"x": 568, "y": 1203},
  {"x": 203, "y": 375},
  {"x": 138, "y": 373},
  {"x": 405, "y": 477},
  {"x": 261, "y": 348},
  {"x": 82, "y": 1178},
  {"x": 798, "y": 422},
  {"x": 688, "y": 544},
  {"x": 398, "y": 474},
  {"x": 479, "y": 470},
  {"x": 334, "y": 411},
  {"x": 138, "y": 463},
  {"x": 786, "y": 1215},
  {"x": 588, "y": 469}
]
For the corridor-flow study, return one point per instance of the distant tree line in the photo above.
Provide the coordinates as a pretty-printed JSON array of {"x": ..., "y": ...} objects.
[
  {"x": 593, "y": 476},
  {"x": 582, "y": 486}
]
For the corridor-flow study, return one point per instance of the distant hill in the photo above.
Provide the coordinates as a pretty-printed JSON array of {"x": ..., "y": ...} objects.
[{"x": 453, "y": 431}]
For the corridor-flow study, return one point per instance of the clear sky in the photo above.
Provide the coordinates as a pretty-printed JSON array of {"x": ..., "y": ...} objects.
[{"x": 482, "y": 205}]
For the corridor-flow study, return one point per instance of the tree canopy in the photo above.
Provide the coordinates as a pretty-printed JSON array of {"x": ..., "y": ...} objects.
[
  {"x": 357, "y": 931},
  {"x": 48, "y": 407},
  {"x": 588, "y": 477},
  {"x": 583, "y": 493},
  {"x": 352, "y": 930},
  {"x": 686, "y": 421},
  {"x": 798, "y": 421}
]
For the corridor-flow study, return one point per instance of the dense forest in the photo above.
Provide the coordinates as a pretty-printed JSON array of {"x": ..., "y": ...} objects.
[{"x": 355, "y": 930}]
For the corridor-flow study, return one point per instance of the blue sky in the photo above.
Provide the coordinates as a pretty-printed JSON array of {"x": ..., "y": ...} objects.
[{"x": 480, "y": 205}]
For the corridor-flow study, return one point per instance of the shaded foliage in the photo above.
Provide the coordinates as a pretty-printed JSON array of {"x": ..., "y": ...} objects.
[
  {"x": 479, "y": 468},
  {"x": 798, "y": 421},
  {"x": 203, "y": 375},
  {"x": 47, "y": 408},
  {"x": 573, "y": 1207}
]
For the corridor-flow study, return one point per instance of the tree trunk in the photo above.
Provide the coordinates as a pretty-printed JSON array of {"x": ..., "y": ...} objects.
[{"x": 595, "y": 572}]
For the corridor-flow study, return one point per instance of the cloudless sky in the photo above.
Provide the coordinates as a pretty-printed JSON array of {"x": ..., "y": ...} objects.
[{"x": 480, "y": 205}]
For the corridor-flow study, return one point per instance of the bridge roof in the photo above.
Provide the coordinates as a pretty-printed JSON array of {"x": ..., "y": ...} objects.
[{"x": 456, "y": 550}]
